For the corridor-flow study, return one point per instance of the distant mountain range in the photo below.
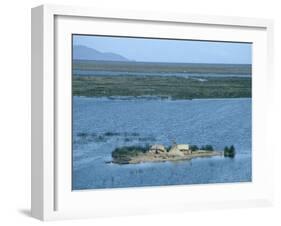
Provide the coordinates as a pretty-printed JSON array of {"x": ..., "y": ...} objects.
[{"x": 85, "y": 53}]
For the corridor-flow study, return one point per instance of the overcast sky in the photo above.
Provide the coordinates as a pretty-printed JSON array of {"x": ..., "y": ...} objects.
[{"x": 159, "y": 50}]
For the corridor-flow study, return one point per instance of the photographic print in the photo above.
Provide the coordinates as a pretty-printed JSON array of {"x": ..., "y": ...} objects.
[{"x": 158, "y": 112}]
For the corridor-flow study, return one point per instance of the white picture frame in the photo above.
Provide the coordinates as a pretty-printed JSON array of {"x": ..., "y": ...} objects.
[{"x": 52, "y": 197}]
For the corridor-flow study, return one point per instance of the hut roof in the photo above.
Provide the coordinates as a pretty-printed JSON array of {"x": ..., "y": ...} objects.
[
  {"x": 183, "y": 146},
  {"x": 179, "y": 147},
  {"x": 176, "y": 151},
  {"x": 158, "y": 147}
]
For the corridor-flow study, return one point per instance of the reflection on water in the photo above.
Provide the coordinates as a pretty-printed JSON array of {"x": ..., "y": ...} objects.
[{"x": 101, "y": 124}]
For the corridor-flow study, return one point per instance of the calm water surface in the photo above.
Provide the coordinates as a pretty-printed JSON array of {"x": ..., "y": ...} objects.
[
  {"x": 79, "y": 72},
  {"x": 102, "y": 124}
]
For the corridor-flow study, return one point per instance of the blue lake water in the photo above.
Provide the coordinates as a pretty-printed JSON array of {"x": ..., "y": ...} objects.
[
  {"x": 79, "y": 72},
  {"x": 102, "y": 124}
]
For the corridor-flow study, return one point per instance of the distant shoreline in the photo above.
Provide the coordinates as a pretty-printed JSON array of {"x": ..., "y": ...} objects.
[{"x": 152, "y": 67}]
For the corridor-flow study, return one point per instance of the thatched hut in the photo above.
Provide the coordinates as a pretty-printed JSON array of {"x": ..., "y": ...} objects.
[
  {"x": 180, "y": 149},
  {"x": 157, "y": 148}
]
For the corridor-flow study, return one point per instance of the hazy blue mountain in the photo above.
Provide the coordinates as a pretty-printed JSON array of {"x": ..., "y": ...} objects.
[{"x": 85, "y": 53}]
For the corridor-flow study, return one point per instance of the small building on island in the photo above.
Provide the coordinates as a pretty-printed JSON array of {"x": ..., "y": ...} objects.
[
  {"x": 180, "y": 149},
  {"x": 157, "y": 148}
]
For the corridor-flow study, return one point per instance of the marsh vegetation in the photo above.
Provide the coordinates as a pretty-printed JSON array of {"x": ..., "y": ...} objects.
[
  {"x": 229, "y": 151},
  {"x": 96, "y": 67},
  {"x": 161, "y": 86}
]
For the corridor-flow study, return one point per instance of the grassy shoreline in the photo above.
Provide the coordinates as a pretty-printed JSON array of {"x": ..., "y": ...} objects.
[
  {"x": 154, "y": 67},
  {"x": 162, "y": 86}
]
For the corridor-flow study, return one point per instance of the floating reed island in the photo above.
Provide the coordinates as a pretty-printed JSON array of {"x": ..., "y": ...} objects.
[{"x": 159, "y": 153}]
